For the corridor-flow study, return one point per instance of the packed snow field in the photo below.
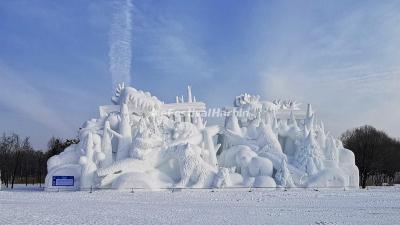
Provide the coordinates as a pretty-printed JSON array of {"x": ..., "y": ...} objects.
[{"x": 239, "y": 206}]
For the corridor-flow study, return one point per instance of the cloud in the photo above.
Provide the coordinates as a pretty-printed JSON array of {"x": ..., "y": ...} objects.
[
  {"x": 347, "y": 68},
  {"x": 120, "y": 53},
  {"x": 169, "y": 46}
]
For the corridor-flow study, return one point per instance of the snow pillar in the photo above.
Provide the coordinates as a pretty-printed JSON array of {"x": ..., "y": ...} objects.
[
  {"x": 126, "y": 133},
  {"x": 309, "y": 111},
  {"x": 189, "y": 93},
  {"x": 106, "y": 145}
]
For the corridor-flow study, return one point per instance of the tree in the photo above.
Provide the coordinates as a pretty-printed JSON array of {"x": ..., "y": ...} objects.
[
  {"x": 57, "y": 145},
  {"x": 20, "y": 163},
  {"x": 376, "y": 154}
]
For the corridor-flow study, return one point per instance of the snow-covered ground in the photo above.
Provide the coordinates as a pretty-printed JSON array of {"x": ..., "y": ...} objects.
[{"x": 373, "y": 206}]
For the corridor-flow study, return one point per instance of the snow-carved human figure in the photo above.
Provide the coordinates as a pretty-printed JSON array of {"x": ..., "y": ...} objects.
[
  {"x": 209, "y": 150},
  {"x": 309, "y": 157},
  {"x": 125, "y": 131},
  {"x": 88, "y": 163},
  {"x": 252, "y": 129},
  {"x": 283, "y": 177},
  {"x": 106, "y": 144}
]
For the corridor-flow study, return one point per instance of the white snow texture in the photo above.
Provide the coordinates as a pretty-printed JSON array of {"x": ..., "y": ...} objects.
[{"x": 141, "y": 142}]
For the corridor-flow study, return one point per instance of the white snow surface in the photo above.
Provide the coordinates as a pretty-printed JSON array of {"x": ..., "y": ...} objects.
[{"x": 222, "y": 206}]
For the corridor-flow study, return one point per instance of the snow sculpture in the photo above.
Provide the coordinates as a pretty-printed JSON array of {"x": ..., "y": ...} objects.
[
  {"x": 106, "y": 144},
  {"x": 125, "y": 132},
  {"x": 308, "y": 157},
  {"x": 88, "y": 163},
  {"x": 283, "y": 177},
  {"x": 142, "y": 142},
  {"x": 301, "y": 152},
  {"x": 194, "y": 171}
]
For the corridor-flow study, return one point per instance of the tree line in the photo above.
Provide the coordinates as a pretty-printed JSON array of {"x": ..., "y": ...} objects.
[
  {"x": 20, "y": 163},
  {"x": 377, "y": 155}
]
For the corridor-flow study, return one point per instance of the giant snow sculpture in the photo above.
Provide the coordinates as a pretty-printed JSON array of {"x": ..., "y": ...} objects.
[{"x": 141, "y": 142}]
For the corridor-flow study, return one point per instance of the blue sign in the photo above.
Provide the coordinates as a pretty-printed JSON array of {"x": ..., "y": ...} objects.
[{"x": 63, "y": 181}]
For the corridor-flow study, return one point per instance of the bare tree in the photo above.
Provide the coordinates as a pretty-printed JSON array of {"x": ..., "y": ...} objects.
[
  {"x": 20, "y": 163},
  {"x": 376, "y": 153}
]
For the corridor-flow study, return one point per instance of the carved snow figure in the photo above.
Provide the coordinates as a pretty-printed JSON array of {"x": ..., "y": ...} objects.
[
  {"x": 246, "y": 162},
  {"x": 320, "y": 135},
  {"x": 198, "y": 121},
  {"x": 227, "y": 178},
  {"x": 209, "y": 152},
  {"x": 260, "y": 166},
  {"x": 125, "y": 131},
  {"x": 273, "y": 122},
  {"x": 106, "y": 145},
  {"x": 309, "y": 118},
  {"x": 194, "y": 172},
  {"x": 88, "y": 162},
  {"x": 139, "y": 100},
  {"x": 232, "y": 124},
  {"x": 290, "y": 135},
  {"x": 113, "y": 118},
  {"x": 286, "y": 104},
  {"x": 292, "y": 120},
  {"x": 228, "y": 157},
  {"x": 309, "y": 157},
  {"x": 252, "y": 129},
  {"x": 283, "y": 177},
  {"x": 250, "y": 104},
  {"x": 268, "y": 140},
  {"x": 142, "y": 142},
  {"x": 243, "y": 158},
  {"x": 264, "y": 182},
  {"x": 332, "y": 152}
]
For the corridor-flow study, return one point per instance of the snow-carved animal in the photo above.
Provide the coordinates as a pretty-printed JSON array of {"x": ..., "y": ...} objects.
[
  {"x": 226, "y": 177},
  {"x": 194, "y": 171},
  {"x": 246, "y": 161},
  {"x": 221, "y": 179},
  {"x": 138, "y": 99},
  {"x": 260, "y": 166}
]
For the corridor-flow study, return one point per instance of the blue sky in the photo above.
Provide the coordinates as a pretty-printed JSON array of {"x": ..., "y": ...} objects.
[{"x": 341, "y": 56}]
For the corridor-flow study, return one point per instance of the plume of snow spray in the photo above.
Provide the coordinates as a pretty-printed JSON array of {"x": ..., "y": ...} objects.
[{"x": 120, "y": 52}]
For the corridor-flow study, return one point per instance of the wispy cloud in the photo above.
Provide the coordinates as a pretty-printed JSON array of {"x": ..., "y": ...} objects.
[
  {"x": 169, "y": 46},
  {"x": 121, "y": 43},
  {"x": 349, "y": 70}
]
